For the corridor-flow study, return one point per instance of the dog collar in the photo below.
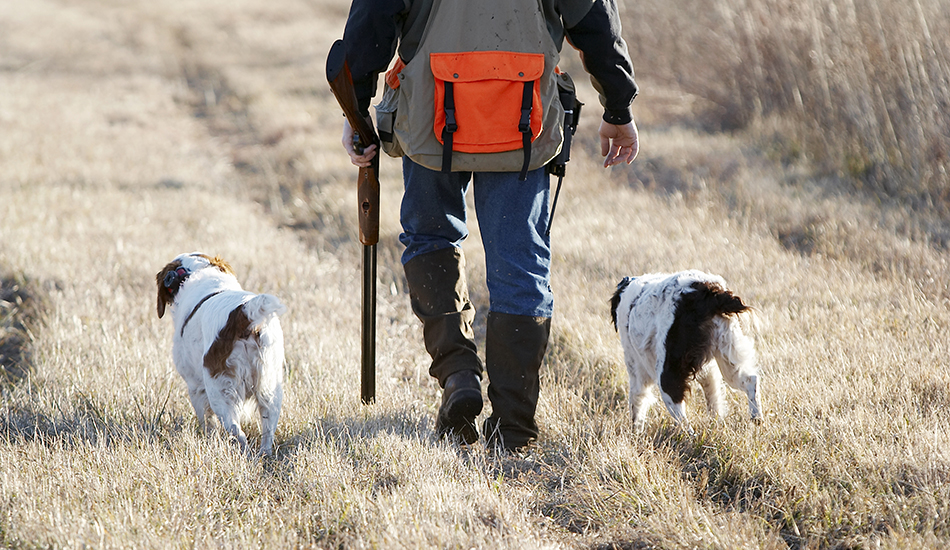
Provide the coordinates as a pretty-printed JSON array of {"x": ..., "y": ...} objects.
[
  {"x": 175, "y": 278},
  {"x": 192, "y": 314}
]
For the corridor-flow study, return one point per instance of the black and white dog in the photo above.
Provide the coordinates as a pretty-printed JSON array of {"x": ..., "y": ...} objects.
[{"x": 677, "y": 327}]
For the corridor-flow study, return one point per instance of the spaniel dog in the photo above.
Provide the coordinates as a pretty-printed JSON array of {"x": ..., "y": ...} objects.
[
  {"x": 228, "y": 345},
  {"x": 677, "y": 327}
]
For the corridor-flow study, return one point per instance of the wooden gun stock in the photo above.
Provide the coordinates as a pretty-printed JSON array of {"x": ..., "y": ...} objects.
[{"x": 367, "y": 190}]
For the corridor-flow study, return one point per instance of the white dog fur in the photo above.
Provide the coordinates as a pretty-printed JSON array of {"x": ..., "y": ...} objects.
[
  {"x": 676, "y": 327},
  {"x": 228, "y": 344}
]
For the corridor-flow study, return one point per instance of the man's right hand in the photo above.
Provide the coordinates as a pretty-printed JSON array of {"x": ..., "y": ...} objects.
[{"x": 358, "y": 159}]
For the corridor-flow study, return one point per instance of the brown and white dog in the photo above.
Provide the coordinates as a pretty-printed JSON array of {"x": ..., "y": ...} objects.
[
  {"x": 228, "y": 344},
  {"x": 677, "y": 327}
]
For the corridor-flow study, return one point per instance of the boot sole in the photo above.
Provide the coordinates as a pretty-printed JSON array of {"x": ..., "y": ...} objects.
[{"x": 457, "y": 417}]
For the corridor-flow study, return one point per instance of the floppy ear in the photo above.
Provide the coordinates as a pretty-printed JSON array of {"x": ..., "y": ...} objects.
[
  {"x": 162, "y": 299},
  {"x": 615, "y": 300},
  {"x": 164, "y": 296}
]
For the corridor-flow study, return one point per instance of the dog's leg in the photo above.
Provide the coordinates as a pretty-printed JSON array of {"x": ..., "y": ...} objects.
[
  {"x": 711, "y": 379},
  {"x": 270, "y": 412},
  {"x": 678, "y": 411},
  {"x": 640, "y": 404},
  {"x": 230, "y": 419},
  {"x": 227, "y": 403},
  {"x": 639, "y": 398},
  {"x": 751, "y": 385},
  {"x": 199, "y": 400},
  {"x": 735, "y": 353}
]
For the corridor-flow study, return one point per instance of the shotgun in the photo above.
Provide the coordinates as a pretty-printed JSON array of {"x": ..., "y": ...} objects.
[{"x": 367, "y": 192}]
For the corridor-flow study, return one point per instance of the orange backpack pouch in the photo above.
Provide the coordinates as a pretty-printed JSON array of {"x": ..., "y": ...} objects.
[{"x": 486, "y": 93}]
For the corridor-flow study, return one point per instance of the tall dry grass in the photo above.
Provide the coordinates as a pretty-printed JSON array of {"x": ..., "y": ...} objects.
[
  {"x": 860, "y": 87},
  {"x": 135, "y": 131}
]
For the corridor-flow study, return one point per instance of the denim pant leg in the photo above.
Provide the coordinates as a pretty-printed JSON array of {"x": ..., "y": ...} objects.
[
  {"x": 433, "y": 209},
  {"x": 513, "y": 220},
  {"x": 512, "y": 216}
]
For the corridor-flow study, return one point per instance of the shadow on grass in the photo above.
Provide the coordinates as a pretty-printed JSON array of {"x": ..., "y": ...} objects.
[
  {"x": 87, "y": 421},
  {"x": 832, "y": 511},
  {"x": 21, "y": 304}
]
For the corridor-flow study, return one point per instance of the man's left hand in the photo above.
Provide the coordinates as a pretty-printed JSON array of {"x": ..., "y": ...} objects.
[{"x": 619, "y": 143}]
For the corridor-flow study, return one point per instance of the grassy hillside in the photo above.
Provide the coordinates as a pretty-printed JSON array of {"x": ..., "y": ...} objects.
[{"x": 131, "y": 132}]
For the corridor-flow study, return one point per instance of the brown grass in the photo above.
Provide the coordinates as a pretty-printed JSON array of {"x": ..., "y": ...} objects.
[
  {"x": 860, "y": 89},
  {"x": 132, "y": 132}
]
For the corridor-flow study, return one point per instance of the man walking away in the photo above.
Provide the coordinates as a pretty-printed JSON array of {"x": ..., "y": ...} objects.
[{"x": 445, "y": 155}]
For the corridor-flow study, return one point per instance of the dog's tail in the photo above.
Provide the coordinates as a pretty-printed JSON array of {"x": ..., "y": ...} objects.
[
  {"x": 260, "y": 308},
  {"x": 717, "y": 300}
]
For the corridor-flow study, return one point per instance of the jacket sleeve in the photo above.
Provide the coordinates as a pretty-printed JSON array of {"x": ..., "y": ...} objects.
[
  {"x": 604, "y": 53},
  {"x": 370, "y": 36}
]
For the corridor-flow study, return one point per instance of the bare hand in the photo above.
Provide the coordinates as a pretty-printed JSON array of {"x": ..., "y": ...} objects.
[
  {"x": 619, "y": 143},
  {"x": 358, "y": 159}
]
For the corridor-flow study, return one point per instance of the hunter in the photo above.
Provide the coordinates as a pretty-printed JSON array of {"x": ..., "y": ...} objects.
[{"x": 472, "y": 99}]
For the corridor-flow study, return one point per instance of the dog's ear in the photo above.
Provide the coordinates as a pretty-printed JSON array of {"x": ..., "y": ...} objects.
[
  {"x": 615, "y": 299},
  {"x": 164, "y": 295}
]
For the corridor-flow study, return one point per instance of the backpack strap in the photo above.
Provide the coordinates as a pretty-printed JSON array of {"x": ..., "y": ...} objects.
[
  {"x": 524, "y": 126},
  {"x": 450, "y": 127}
]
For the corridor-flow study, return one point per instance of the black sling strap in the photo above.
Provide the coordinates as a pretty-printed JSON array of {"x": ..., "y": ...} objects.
[
  {"x": 450, "y": 127},
  {"x": 524, "y": 126}
]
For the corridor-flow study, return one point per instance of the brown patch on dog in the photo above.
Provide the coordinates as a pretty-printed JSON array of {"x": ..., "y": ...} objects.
[
  {"x": 237, "y": 328},
  {"x": 219, "y": 263},
  {"x": 166, "y": 295}
]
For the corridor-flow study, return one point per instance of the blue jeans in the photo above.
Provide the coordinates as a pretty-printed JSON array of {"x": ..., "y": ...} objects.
[{"x": 512, "y": 217}]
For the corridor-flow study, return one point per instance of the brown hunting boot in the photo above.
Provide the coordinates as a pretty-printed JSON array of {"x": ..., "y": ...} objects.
[
  {"x": 514, "y": 349},
  {"x": 438, "y": 293}
]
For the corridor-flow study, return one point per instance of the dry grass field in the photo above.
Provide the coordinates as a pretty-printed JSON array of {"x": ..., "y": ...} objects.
[{"x": 133, "y": 131}]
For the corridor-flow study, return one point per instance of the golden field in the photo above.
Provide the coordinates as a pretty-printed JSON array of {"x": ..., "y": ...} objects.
[{"x": 131, "y": 132}]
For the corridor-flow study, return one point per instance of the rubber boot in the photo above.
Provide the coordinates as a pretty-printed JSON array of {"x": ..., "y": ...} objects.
[
  {"x": 514, "y": 349},
  {"x": 438, "y": 293}
]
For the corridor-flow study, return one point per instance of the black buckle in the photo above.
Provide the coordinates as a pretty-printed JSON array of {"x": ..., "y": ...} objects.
[
  {"x": 524, "y": 125},
  {"x": 450, "y": 124}
]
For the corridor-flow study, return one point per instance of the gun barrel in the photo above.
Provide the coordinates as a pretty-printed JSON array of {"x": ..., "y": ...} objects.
[{"x": 368, "y": 331}]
